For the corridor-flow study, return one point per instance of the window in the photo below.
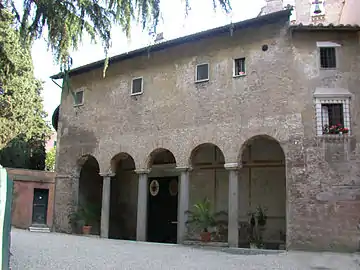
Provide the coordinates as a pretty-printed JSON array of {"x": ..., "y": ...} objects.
[
  {"x": 239, "y": 67},
  {"x": 137, "y": 86},
  {"x": 79, "y": 98},
  {"x": 327, "y": 57},
  {"x": 333, "y": 115},
  {"x": 202, "y": 72}
]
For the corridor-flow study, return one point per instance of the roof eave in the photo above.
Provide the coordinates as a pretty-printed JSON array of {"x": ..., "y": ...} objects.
[{"x": 330, "y": 27}]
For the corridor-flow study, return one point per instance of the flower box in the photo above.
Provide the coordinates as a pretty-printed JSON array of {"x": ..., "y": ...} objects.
[{"x": 335, "y": 129}]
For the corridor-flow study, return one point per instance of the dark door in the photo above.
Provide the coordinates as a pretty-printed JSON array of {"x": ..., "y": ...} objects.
[
  {"x": 40, "y": 205},
  {"x": 162, "y": 210}
]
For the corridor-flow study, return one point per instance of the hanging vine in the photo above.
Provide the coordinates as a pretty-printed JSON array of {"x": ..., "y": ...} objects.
[{"x": 65, "y": 68}]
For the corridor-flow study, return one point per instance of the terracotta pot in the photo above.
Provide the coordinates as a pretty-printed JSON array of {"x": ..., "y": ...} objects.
[
  {"x": 205, "y": 236},
  {"x": 253, "y": 246},
  {"x": 86, "y": 230}
]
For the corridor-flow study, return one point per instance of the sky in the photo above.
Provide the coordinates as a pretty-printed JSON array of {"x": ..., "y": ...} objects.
[{"x": 174, "y": 24}]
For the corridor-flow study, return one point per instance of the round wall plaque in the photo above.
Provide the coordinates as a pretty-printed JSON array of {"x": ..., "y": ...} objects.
[
  {"x": 154, "y": 187},
  {"x": 173, "y": 187}
]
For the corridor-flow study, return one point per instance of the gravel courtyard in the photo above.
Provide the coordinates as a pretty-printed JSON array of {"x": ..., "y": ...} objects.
[{"x": 60, "y": 251}]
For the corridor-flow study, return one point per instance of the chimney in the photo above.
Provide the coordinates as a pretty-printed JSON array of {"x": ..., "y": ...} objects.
[
  {"x": 159, "y": 37},
  {"x": 272, "y": 6}
]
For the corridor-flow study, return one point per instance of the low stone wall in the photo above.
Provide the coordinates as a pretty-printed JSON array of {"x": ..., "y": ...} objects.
[{"x": 25, "y": 181}]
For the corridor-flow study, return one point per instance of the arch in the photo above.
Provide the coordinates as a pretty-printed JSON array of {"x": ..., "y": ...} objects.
[
  {"x": 263, "y": 184},
  {"x": 209, "y": 180},
  {"x": 160, "y": 156},
  {"x": 123, "y": 197},
  {"x": 219, "y": 156},
  {"x": 122, "y": 161},
  {"x": 88, "y": 160},
  {"x": 90, "y": 189},
  {"x": 256, "y": 138}
]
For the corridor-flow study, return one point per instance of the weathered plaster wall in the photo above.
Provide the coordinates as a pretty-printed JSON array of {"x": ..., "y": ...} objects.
[
  {"x": 350, "y": 12},
  {"x": 323, "y": 183},
  {"x": 207, "y": 112}
]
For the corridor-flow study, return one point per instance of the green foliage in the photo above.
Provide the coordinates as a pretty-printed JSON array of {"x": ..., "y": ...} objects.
[
  {"x": 65, "y": 22},
  {"x": 50, "y": 159},
  {"x": 86, "y": 215},
  {"x": 23, "y": 128},
  {"x": 257, "y": 224},
  {"x": 202, "y": 216}
]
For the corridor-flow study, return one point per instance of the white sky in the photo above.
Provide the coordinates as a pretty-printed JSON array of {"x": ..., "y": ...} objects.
[{"x": 201, "y": 17}]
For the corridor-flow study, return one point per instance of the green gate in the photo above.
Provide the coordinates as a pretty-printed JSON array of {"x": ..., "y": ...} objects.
[{"x": 6, "y": 192}]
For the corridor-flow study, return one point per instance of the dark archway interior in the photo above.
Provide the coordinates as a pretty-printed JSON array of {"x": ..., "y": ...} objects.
[
  {"x": 123, "y": 198},
  {"x": 90, "y": 191},
  {"x": 161, "y": 157},
  {"x": 209, "y": 179},
  {"x": 263, "y": 184},
  {"x": 207, "y": 154}
]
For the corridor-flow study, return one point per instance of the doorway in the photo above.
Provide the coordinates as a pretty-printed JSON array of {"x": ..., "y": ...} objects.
[
  {"x": 162, "y": 210},
  {"x": 40, "y": 206}
]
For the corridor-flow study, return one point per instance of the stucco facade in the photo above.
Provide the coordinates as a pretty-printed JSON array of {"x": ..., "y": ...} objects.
[
  {"x": 319, "y": 198},
  {"x": 26, "y": 182}
]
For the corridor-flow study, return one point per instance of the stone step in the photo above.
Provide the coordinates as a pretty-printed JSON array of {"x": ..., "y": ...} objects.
[{"x": 39, "y": 229}]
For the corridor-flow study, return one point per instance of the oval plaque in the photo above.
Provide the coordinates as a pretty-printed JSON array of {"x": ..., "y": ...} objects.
[{"x": 154, "y": 187}]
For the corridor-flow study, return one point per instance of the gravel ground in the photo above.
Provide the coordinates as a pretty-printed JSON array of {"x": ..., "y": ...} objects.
[{"x": 60, "y": 251}]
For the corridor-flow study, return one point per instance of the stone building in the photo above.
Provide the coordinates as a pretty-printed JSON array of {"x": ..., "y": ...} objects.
[{"x": 235, "y": 114}]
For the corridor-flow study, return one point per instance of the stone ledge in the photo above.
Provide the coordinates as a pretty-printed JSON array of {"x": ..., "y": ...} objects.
[
  {"x": 205, "y": 244},
  {"x": 335, "y": 137}
]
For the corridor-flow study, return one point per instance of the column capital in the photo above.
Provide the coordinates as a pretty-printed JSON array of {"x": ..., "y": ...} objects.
[
  {"x": 108, "y": 174},
  {"x": 184, "y": 169},
  {"x": 142, "y": 171},
  {"x": 232, "y": 166}
]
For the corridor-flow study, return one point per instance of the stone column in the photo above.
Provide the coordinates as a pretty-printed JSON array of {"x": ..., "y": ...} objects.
[
  {"x": 233, "y": 223},
  {"x": 143, "y": 192},
  {"x": 105, "y": 206},
  {"x": 183, "y": 203}
]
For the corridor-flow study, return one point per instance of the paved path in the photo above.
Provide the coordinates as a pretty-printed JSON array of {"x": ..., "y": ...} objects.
[{"x": 54, "y": 251}]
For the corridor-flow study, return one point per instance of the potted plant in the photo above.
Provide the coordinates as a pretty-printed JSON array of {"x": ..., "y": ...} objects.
[
  {"x": 261, "y": 216},
  {"x": 202, "y": 217},
  {"x": 252, "y": 230},
  {"x": 84, "y": 217},
  {"x": 257, "y": 222}
]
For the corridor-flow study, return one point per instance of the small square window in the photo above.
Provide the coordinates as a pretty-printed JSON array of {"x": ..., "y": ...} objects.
[
  {"x": 202, "y": 72},
  {"x": 79, "y": 98},
  {"x": 327, "y": 57},
  {"x": 239, "y": 67},
  {"x": 137, "y": 86}
]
